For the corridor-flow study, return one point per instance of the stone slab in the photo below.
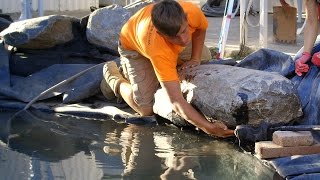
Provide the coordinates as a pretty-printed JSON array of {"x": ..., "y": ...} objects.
[
  {"x": 268, "y": 149},
  {"x": 292, "y": 139}
]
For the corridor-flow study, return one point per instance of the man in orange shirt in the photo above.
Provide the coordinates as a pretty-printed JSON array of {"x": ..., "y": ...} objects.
[{"x": 152, "y": 43}]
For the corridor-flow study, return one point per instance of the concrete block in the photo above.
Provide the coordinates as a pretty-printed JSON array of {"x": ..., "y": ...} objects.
[
  {"x": 291, "y": 138},
  {"x": 268, "y": 149}
]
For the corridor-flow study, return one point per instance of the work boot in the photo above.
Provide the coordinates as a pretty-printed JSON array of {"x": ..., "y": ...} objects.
[
  {"x": 111, "y": 80},
  {"x": 106, "y": 90}
]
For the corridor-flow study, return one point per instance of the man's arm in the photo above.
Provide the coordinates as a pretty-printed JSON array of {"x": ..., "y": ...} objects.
[
  {"x": 186, "y": 111},
  {"x": 197, "y": 44}
]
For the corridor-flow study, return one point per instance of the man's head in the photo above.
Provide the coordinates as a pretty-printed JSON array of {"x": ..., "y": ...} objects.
[{"x": 171, "y": 22}]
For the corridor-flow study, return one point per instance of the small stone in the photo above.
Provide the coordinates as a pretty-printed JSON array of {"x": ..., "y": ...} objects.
[{"x": 291, "y": 138}]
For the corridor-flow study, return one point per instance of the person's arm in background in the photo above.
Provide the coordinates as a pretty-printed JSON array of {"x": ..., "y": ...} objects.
[
  {"x": 187, "y": 112},
  {"x": 311, "y": 30},
  {"x": 310, "y": 35}
]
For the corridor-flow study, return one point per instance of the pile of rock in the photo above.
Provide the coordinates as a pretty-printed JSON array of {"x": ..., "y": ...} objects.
[{"x": 102, "y": 28}]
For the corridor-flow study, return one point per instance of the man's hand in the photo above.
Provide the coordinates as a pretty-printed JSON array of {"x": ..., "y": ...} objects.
[
  {"x": 300, "y": 66},
  {"x": 187, "y": 112},
  {"x": 189, "y": 64},
  {"x": 316, "y": 59},
  {"x": 219, "y": 129}
]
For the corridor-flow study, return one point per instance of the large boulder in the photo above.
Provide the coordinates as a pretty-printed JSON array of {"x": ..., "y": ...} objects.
[
  {"x": 104, "y": 24},
  {"x": 40, "y": 33},
  {"x": 4, "y": 23},
  {"x": 235, "y": 96}
]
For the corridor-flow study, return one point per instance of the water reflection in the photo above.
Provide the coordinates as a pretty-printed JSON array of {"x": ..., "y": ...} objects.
[{"x": 45, "y": 146}]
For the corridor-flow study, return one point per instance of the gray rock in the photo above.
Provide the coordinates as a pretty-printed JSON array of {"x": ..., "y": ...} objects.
[
  {"x": 105, "y": 24},
  {"x": 39, "y": 33},
  {"x": 4, "y": 23},
  {"x": 137, "y": 5},
  {"x": 110, "y": 2},
  {"x": 235, "y": 96}
]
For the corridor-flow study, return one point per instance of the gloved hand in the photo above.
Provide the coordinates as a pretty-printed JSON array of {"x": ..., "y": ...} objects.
[
  {"x": 300, "y": 66},
  {"x": 316, "y": 59}
]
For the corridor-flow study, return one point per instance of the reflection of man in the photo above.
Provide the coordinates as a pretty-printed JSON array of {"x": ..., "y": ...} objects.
[
  {"x": 151, "y": 42},
  {"x": 181, "y": 168},
  {"x": 310, "y": 35},
  {"x": 136, "y": 151}
]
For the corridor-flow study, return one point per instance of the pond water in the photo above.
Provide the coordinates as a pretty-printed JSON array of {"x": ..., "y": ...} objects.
[{"x": 38, "y": 145}]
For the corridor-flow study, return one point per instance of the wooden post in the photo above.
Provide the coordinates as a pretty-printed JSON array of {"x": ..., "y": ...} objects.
[
  {"x": 26, "y": 9},
  {"x": 299, "y": 11},
  {"x": 263, "y": 36},
  {"x": 243, "y": 23},
  {"x": 40, "y": 7}
]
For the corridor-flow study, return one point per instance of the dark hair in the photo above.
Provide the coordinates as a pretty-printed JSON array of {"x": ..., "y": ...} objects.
[{"x": 167, "y": 16}]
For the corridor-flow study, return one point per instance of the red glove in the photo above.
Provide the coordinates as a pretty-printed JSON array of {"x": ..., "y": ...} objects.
[
  {"x": 316, "y": 59},
  {"x": 300, "y": 66}
]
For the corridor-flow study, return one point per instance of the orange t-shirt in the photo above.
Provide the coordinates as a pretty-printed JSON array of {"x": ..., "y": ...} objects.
[{"x": 140, "y": 35}]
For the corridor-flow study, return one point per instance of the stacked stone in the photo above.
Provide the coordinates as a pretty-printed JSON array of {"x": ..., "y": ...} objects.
[{"x": 287, "y": 143}]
